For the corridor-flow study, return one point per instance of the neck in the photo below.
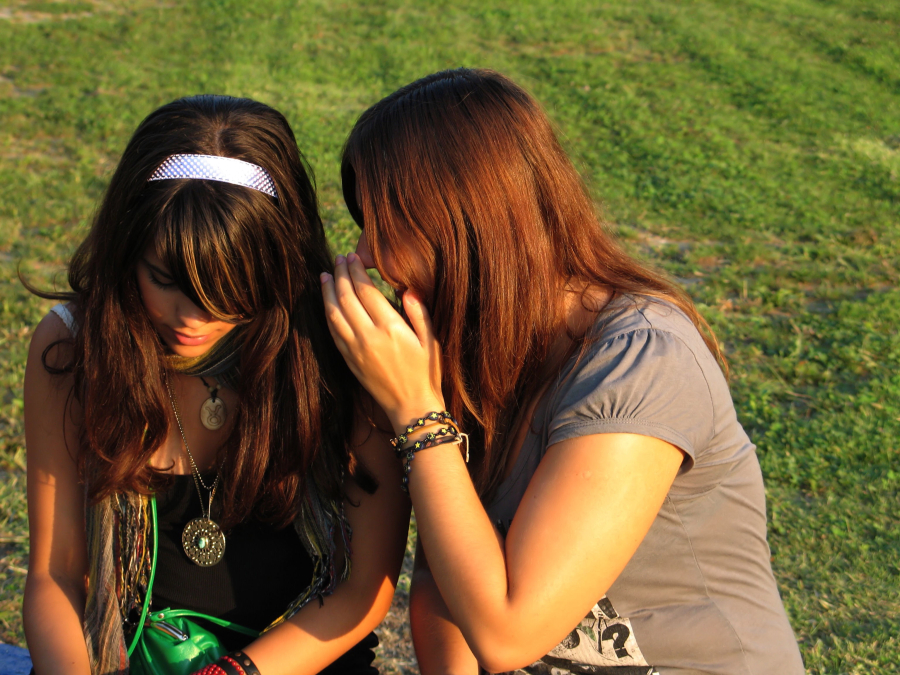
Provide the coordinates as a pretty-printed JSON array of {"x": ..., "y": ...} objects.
[{"x": 580, "y": 306}]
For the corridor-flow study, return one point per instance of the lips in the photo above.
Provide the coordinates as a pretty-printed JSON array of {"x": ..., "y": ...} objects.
[{"x": 189, "y": 340}]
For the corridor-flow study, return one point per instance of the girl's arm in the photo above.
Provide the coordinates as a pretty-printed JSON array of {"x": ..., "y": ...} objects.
[
  {"x": 587, "y": 508},
  {"x": 317, "y": 635},
  {"x": 53, "y": 605},
  {"x": 441, "y": 648}
]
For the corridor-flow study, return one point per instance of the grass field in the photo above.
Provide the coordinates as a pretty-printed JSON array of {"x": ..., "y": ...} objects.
[{"x": 751, "y": 148}]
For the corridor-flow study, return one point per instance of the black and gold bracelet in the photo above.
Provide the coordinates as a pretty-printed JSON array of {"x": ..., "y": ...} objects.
[
  {"x": 440, "y": 417},
  {"x": 423, "y": 442}
]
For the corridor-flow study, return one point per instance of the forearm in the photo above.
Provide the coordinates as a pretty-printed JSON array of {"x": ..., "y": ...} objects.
[
  {"x": 555, "y": 565},
  {"x": 318, "y": 635},
  {"x": 52, "y": 616},
  {"x": 441, "y": 648},
  {"x": 465, "y": 553}
]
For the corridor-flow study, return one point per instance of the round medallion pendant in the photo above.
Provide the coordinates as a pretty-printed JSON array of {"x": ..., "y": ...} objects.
[
  {"x": 203, "y": 542},
  {"x": 213, "y": 413}
]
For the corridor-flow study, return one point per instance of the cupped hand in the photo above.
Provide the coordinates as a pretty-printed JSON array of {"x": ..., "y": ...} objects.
[{"x": 399, "y": 364}]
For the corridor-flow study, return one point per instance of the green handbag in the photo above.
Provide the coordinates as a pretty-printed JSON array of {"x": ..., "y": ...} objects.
[{"x": 170, "y": 642}]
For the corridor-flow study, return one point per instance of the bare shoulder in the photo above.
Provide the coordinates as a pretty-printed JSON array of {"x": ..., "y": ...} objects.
[
  {"x": 47, "y": 385},
  {"x": 53, "y": 338}
]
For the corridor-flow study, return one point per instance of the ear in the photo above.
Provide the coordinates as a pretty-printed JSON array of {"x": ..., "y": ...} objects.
[{"x": 364, "y": 252}]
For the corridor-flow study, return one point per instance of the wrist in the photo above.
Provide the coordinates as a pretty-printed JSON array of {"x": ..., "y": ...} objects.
[
  {"x": 427, "y": 431},
  {"x": 403, "y": 416}
]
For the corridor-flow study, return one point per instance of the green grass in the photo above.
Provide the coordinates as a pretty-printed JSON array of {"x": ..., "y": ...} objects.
[{"x": 751, "y": 149}]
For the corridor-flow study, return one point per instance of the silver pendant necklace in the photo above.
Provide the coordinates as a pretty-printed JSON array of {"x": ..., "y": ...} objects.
[
  {"x": 213, "y": 411},
  {"x": 202, "y": 538}
]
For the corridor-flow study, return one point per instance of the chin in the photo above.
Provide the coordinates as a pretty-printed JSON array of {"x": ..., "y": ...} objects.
[{"x": 187, "y": 351}]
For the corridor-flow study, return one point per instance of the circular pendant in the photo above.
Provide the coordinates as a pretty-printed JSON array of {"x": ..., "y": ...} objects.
[
  {"x": 203, "y": 542},
  {"x": 213, "y": 413}
]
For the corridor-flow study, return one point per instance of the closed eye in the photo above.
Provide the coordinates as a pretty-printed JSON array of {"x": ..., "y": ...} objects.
[
  {"x": 158, "y": 277},
  {"x": 159, "y": 283}
]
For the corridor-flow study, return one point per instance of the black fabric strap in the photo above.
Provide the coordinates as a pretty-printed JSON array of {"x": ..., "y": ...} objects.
[{"x": 245, "y": 662}]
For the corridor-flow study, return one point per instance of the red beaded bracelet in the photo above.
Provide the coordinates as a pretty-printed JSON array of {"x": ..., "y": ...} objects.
[
  {"x": 211, "y": 669},
  {"x": 236, "y": 663}
]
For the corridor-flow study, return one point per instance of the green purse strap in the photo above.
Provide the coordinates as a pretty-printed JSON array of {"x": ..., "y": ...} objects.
[
  {"x": 190, "y": 614},
  {"x": 137, "y": 635}
]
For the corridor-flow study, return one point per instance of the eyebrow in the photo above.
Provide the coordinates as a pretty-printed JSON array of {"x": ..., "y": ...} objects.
[{"x": 156, "y": 269}]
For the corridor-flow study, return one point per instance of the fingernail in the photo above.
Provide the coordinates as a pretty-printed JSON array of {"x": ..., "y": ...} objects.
[
  {"x": 339, "y": 260},
  {"x": 352, "y": 257},
  {"x": 324, "y": 277}
]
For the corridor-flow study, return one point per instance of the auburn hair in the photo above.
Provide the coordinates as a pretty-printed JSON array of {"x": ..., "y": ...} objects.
[
  {"x": 460, "y": 177},
  {"x": 244, "y": 257}
]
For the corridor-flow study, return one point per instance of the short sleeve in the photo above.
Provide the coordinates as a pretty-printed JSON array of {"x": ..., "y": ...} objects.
[
  {"x": 68, "y": 318},
  {"x": 645, "y": 381}
]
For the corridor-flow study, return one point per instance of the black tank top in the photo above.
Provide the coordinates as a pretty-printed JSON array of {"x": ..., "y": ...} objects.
[{"x": 263, "y": 570}]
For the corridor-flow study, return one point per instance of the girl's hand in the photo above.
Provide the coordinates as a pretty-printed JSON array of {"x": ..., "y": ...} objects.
[{"x": 399, "y": 364}]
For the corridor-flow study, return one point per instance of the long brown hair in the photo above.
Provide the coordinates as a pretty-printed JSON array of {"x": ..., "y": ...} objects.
[
  {"x": 244, "y": 257},
  {"x": 460, "y": 177}
]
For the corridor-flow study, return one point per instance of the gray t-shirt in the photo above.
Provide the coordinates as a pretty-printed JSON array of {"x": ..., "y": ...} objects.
[{"x": 699, "y": 595}]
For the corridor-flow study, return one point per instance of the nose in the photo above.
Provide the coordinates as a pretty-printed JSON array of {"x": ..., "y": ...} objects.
[
  {"x": 190, "y": 314},
  {"x": 364, "y": 252}
]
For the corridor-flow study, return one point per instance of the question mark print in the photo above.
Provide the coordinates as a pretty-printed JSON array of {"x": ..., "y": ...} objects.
[{"x": 618, "y": 633}]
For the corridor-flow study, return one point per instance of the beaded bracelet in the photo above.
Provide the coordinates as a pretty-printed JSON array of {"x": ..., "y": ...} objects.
[
  {"x": 398, "y": 448},
  {"x": 235, "y": 663},
  {"x": 427, "y": 438},
  {"x": 455, "y": 438},
  {"x": 442, "y": 417}
]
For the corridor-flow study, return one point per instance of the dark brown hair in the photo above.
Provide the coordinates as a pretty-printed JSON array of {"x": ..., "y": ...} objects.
[
  {"x": 241, "y": 255},
  {"x": 460, "y": 176}
]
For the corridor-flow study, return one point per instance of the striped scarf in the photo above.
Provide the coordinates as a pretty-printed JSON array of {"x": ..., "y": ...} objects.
[{"x": 120, "y": 549}]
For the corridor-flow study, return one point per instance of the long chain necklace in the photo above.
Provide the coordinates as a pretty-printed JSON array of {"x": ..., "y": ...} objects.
[
  {"x": 202, "y": 538},
  {"x": 213, "y": 411}
]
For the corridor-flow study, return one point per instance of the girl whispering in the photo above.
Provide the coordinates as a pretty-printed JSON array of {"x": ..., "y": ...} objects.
[{"x": 586, "y": 499}]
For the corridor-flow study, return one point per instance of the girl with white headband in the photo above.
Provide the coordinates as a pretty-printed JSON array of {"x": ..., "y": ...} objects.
[{"x": 195, "y": 442}]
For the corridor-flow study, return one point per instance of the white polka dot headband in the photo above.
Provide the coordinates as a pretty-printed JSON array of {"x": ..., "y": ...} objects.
[{"x": 211, "y": 167}]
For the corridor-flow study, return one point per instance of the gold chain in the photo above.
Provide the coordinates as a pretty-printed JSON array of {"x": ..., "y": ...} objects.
[{"x": 195, "y": 472}]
